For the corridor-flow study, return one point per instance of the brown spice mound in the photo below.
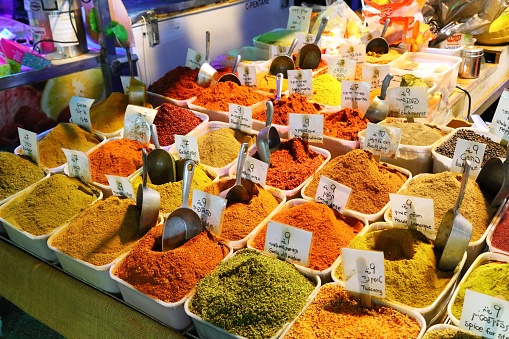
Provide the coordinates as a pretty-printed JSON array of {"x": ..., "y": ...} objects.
[
  {"x": 295, "y": 103},
  {"x": 179, "y": 83},
  {"x": 218, "y": 97},
  {"x": 344, "y": 124}
]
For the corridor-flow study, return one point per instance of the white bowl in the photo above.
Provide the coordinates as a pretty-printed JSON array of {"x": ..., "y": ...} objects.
[{"x": 439, "y": 327}]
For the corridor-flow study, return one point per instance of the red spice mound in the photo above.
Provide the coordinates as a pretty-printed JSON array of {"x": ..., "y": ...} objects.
[
  {"x": 295, "y": 103},
  {"x": 344, "y": 124},
  {"x": 171, "y": 120},
  {"x": 179, "y": 83},
  {"x": 218, "y": 97}
]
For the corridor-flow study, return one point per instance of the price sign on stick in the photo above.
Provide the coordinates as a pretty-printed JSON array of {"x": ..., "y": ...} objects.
[
  {"x": 255, "y": 170},
  {"x": 333, "y": 194},
  {"x": 80, "y": 112},
  {"x": 288, "y": 242},
  {"x": 194, "y": 59},
  {"x": 411, "y": 102},
  {"x": 299, "y": 18},
  {"x": 241, "y": 117},
  {"x": 414, "y": 212},
  {"x": 137, "y": 123},
  {"x": 500, "y": 122},
  {"x": 187, "y": 148},
  {"x": 342, "y": 69},
  {"x": 382, "y": 140},
  {"x": 29, "y": 145},
  {"x": 355, "y": 95},
  {"x": 247, "y": 75},
  {"x": 375, "y": 74},
  {"x": 355, "y": 52},
  {"x": 78, "y": 164},
  {"x": 364, "y": 271},
  {"x": 306, "y": 126},
  {"x": 120, "y": 186},
  {"x": 210, "y": 208},
  {"x": 468, "y": 150},
  {"x": 301, "y": 82}
]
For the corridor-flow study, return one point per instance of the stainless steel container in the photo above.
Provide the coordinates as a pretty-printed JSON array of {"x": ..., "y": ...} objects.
[{"x": 471, "y": 64}]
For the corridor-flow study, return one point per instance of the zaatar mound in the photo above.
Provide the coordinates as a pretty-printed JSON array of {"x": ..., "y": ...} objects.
[{"x": 17, "y": 173}]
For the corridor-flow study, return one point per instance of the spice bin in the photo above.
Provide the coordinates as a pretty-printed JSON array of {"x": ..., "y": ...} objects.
[
  {"x": 484, "y": 258},
  {"x": 157, "y": 100},
  {"x": 325, "y": 275},
  {"x": 440, "y": 327},
  {"x": 431, "y": 311},
  {"x": 497, "y": 233}
]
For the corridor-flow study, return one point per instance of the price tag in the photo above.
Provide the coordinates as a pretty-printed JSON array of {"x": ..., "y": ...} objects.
[
  {"x": 80, "y": 112},
  {"x": 342, "y": 69},
  {"x": 301, "y": 82},
  {"x": 78, "y": 164},
  {"x": 303, "y": 38},
  {"x": 125, "y": 80},
  {"x": 468, "y": 150},
  {"x": 306, "y": 126},
  {"x": 29, "y": 145},
  {"x": 382, "y": 140},
  {"x": 367, "y": 36},
  {"x": 364, "y": 271},
  {"x": 137, "y": 123},
  {"x": 414, "y": 212},
  {"x": 354, "y": 52},
  {"x": 355, "y": 95},
  {"x": 247, "y": 75},
  {"x": 121, "y": 186},
  {"x": 210, "y": 208},
  {"x": 187, "y": 148},
  {"x": 375, "y": 74},
  {"x": 333, "y": 194},
  {"x": 288, "y": 242},
  {"x": 500, "y": 122},
  {"x": 299, "y": 18},
  {"x": 241, "y": 117},
  {"x": 408, "y": 101},
  {"x": 255, "y": 170},
  {"x": 485, "y": 316},
  {"x": 194, "y": 59},
  {"x": 277, "y": 50}
]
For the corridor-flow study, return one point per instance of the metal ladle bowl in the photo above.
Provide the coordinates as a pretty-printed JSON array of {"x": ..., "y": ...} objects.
[
  {"x": 148, "y": 200},
  {"x": 379, "y": 45},
  {"x": 237, "y": 193},
  {"x": 268, "y": 139},
  {"x": 310, "y": 55},
  {"x": 379, "y": 108},
  {"x": 283, "y": 63},
  {"x": 160, "y": 164},
  {"x": 207, "y": 76},
  {"x": 494, "y": 179},
  {"x": 231, "y": 76}
]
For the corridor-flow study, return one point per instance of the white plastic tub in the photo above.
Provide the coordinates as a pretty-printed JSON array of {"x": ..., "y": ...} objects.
[
  {"x": 496, "y": 221},
  {"x": 439, "y": 327}
]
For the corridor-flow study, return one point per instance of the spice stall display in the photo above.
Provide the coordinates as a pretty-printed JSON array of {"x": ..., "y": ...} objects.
[
  {"x": 159, "y": 282},
  {"x": 250, "y": 295},
  {"x": 337, "y": 313}
]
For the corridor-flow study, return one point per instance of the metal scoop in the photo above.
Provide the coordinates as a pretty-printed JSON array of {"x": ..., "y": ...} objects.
[
  {"x": 455, "y": 231},
  {"x": 268, "y": 139},
  {"x": 279, "y": 86},
  {"x": 494, "y": 179},
  {"x": 207, "y": 75},
  {"x": 148, "y": 200},
  {"x": 137, "y": 89},
  {"x": 379, "y": 45},
  {"x": 183, "y": 223},
  {"x": 160, "y": 164},
  {"x": 237, "y": 193},
  {"x": 283, "y": 63},
  {"x": 231, "y": 76},
  {"x": 379, "y": 108},
  {"x": 310, "y": 55}
]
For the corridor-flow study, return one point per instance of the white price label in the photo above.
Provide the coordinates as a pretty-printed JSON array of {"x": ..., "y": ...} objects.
[
  {"x": 247, "y": 75},
  {"x": 301, "y": 82},
  {"x": 29, "y": 145},
  {"x": 255, "y": 170},
  {"x": 408, "y": 101},
  {"x": 210, "y": 209},
  {"x": 485, "y": 316},
  {"x": 303, "y": 39},
  {"x": 414, "y": 212},
  {"x": 80, "y": 112},
  {"x": 241, "y": 117},
  {"x": 500, "y": 122},
  {"x": 78, "y": 164},
  {"x": 187, "y": 148},
  {"x": 299, "y": 18},
  {"x": 364, "y": 271},
  {"x": 125, "y": 80},
  {"x": 375, "y": 74},
  {"x": 468, "y": 150},
  {"x": 121, "y": 186},
  {"x": 277, "y": 50},
  {"x": 333, "y": 194},
  {"x": 355, "y": 95},
  {"x": 306, "y": 126},
  {"x": 137, "y": 123},
  {"x": 288, "y": 242},
  {"x": 194, "y": 60},
  {"x": 382, "y": 140},
  {"x": 354, "y": 52},
  {"x": 342, "y": 69}
]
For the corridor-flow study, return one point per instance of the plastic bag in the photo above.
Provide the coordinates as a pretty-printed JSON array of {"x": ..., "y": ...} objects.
[{"x": 340, "y": 15}]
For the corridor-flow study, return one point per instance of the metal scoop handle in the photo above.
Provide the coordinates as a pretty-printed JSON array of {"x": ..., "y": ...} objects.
[
  {"x": 241, "y": 159},
  {"x": 207, "y": 46},
  {"x": 385, "y": 84},
  {"x": 386, "y": 25},
  {"x": 187, "y": 180},
  {"x": 321, "y": 28},
  {"x": 292, "y": 47},
  {"x": 279, "y": 85},
  {"x": 145, "y": 172},
  {"x": 155, "y": 138},
  {"x": 464, "y": 181},
  {"x": 236, "y": 64},
  {"x": 270, "y": 113}
]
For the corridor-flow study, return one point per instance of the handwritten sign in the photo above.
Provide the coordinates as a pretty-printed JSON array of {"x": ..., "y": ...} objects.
[
  {"x": 78, "y": 164},
  {"x": 333, "y": 194},
  {"x": 408, "y": 101},
  {"x": 29, "y": 145},
  {"x": 299, "y": 18},
  {"x": 80, "y": 112},
  {"x": 342, "y": 69},
  {"x": 301, "y": 82},
  {"x": 500, "y": 122},
  {"x": 364, "y": 271},
  {"x": 194, "y": 59},
  {"x": 485, "y": 316},
  {"x": 355, "y": 95},
  {"x": 137, "y": 123},
  {"x": 247, "y": 75},
  {"x": 413, "y": 212},
  {"x": 382, "y": 140},
  {"x": 375, "y": 74},
  {"x": 187, "y": 148},
  {"x": 241, "y": 117},
  {"x": 306, "y": 126},
  {"x": 354, "y": 52},
  {"x": 277, "y": 50},
  {"x": 120, "y": 186},
  {"x": 210, "y": 209},
  {"x": 288, "y": 242},
  {"x": 468, "y": 150},
  {"x": 255, "y": 170}
]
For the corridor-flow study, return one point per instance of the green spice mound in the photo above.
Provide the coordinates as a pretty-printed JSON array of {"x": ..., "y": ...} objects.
[
  {"x": 17, "y": 173},
  {"x": 449, "y": 333},
  {"x": 409, "y": 80},
  {"x": 251, "y": 295}
]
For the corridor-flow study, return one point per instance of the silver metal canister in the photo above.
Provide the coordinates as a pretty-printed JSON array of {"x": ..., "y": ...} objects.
[{"x": 471, "y": 64}]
